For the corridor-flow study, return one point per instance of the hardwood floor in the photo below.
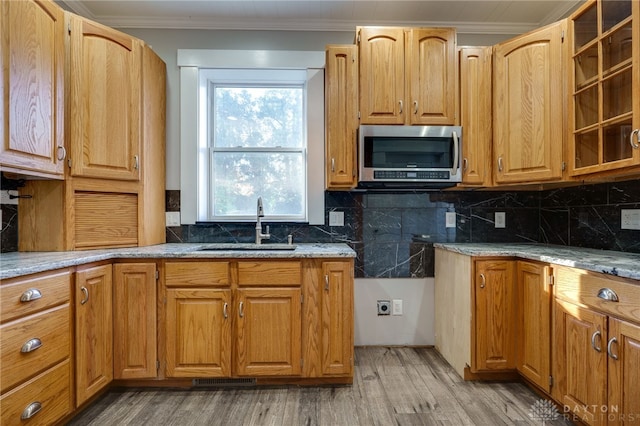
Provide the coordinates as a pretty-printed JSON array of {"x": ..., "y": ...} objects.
[{"x": 392, "y": 386}]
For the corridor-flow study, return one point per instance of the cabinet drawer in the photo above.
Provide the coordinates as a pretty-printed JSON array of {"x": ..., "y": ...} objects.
[
  {"x": 54, "y": 289},
  {"x": 277, "y": 273},
  {"x": 51, "y": 328},
  {"x": 50, "y": 390},
  {"x": 210, "y": 274},
  {"x": 582, "y": 287}
]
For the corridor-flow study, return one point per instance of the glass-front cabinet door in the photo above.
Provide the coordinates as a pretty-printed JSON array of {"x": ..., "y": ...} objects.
[{"x": 605, "y": 86}]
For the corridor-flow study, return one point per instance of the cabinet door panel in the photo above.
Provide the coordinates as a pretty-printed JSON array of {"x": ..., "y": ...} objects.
[
  {"x": 624, "y": 373},
  {"x": 337, "y": 321},
  {"x": 528, "y": 107},
  {"x": 135, "y": 336},
  {"x": 581, "y": 356},
  {"x": 198, "y": 327},
  {"x": 382, "y": 79},
  {"x": 432, "y": 69},
  {"x": 268, "y": 322},
  {"x": 341, "y": 99},
  {"x": 32, "y": 87},
  {"x": 105, "y": 102},
  {"x": 94, "y": 331},
  {"x": 494, "y": 316}
]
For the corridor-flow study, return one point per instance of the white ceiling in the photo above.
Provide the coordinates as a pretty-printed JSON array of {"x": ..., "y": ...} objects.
[{"x": 468, "y": 16}]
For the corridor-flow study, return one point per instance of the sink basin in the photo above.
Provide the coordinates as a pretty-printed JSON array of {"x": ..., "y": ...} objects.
[{"x": 247, "y": 246}]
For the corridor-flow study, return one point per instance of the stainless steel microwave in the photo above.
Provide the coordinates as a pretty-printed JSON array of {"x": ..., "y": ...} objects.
[{"x": 409, "y": 156}]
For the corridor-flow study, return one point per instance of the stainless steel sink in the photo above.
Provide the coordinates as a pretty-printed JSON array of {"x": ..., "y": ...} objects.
[{"x": 247, "y": 246}]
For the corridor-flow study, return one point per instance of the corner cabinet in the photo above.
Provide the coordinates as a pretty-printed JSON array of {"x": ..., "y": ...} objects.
[
  {"x": 475, "y": 114},
  {"x": 407, "y": 76},
  {"x": 104, "y": 134},
  {"x": 32, "y": 88},
  {"x": 341, "y": 112},
  {"x": 528, "y": 106},
  {"x": 605, "y": 88},
  {"x": 94, "y": 330}
]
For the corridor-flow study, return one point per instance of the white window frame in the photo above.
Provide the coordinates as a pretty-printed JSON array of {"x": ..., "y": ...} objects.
[{"x": 191, "y": 61}]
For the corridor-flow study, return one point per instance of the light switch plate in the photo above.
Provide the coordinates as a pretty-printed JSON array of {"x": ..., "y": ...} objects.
[
  {"x": 501, "y": 220},
  {"x": 336, "y": 218},
  {"x": 450, "y": 220},
  {"x": 630, "y": 219},
  {"x": 172, "y": 218}
]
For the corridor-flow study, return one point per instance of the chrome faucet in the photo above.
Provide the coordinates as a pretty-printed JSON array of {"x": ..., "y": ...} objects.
[{"x": 259, "y": 235}]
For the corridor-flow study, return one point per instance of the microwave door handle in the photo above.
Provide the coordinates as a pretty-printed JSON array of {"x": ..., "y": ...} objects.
[{"x": 456, "y": 152}]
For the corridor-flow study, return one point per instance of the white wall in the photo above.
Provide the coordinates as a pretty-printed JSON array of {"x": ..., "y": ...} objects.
[{"x": 414, "y": 328}]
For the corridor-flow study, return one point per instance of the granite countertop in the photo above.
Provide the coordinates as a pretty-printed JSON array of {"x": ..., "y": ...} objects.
[
  {"x": 23, "y": 263},
  {"x": 610, "y": 262}
]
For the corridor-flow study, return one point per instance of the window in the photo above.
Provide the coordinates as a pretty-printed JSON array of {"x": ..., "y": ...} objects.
[
  {"x": 252, "y": 125},
  {"x": 255, "y": 144}
]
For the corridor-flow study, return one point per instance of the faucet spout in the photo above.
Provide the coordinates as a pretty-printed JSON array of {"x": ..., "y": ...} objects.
[{"x": 260, "y": 213}]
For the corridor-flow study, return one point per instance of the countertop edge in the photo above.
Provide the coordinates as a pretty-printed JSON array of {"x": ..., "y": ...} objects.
[{"x": 615, "y": 263}]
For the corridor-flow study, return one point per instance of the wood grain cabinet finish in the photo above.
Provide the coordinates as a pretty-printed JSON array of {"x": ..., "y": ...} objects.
[
  {"x": 94, "y": 330},
  {"x": 36, "y": 348},
  {"x": 597, "y": 346},
  {"x": 32, "y": 88},
  {"x": 494, "y": 293},
  {"x": 105, "y": 74},
  {"x": 134, "y": 312},
  {"x": 604, "y": 85},
  {"x": 528, "y": 125},
  {"x": 407, "y": 76},
  {"x": 475, "y": 114},
  {"x": 534, "y": 303},
  {"x": 341, "y": 115}
]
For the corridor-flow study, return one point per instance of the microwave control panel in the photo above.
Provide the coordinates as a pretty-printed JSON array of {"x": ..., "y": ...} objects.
[{"x": 411, "y": 174}]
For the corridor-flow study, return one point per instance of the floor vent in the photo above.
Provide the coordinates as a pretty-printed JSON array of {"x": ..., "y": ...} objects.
[{"x": 224, "y": 382}]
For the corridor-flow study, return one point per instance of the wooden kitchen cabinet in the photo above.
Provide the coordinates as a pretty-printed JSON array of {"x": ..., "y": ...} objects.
[
  {"x": 475, "y": 114},
  {"x": 341, "y": 105},
  {"x": 596, "y": 346},
  {"x": 94, "y": 330},
  {"x": 604, "y": 86},
  {"x": 135, "y": 351},
  {"x": 337, "y": 318},
  {"x": 528, "y": 125},
  {"x": 36, "y": 348},
  {"x": 534, "y": 304},
  {"x": 104, "y": 101},
  {"x": 32, "y": 88},
  {"x": 407, "y": 76},
  {"x": 494, "y": 329}
]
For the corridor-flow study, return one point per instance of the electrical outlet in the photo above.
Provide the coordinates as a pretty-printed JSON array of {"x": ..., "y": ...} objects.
[
  {"x": 501, "y": 220},
  {"x": 384, "y": 307},
  {"x": 450, "y": 219},
  {"x": 5, "y": 199},
  {"x": 172, "y": 218},
  {"x": 397, "y": 307},
  {"x": 630, "y": 219},
  {"x": 336, "y": 218}
]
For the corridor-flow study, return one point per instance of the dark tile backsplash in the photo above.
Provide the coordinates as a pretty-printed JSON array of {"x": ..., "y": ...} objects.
[{"x": 393, "y": 233}]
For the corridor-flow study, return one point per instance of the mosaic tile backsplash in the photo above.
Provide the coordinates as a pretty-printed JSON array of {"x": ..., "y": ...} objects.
[{"x": 393, "y": 233}]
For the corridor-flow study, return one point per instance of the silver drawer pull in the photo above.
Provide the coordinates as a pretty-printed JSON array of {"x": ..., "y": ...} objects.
[
  {"x": 31, "y": 294},
  {"x": 31, "y": 410},
  {"x": 608, "y": 294},
  {"x": 611, "y": 342},
  {"x": 31, "y": 345},
  {"x": 594, "y": 336}
]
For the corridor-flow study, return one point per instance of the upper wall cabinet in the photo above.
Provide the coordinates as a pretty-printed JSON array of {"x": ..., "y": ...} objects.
[
  {"x": 528, "y": 104},
  {"x": 475, "y": 114},
  {"x": 605, "y": 87},
  {"x": 407, "y": 76},
  {"x": 104, "y": 105},
  {"x": 32, "y": 88},
  {"x": 341, "y": 115}
]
